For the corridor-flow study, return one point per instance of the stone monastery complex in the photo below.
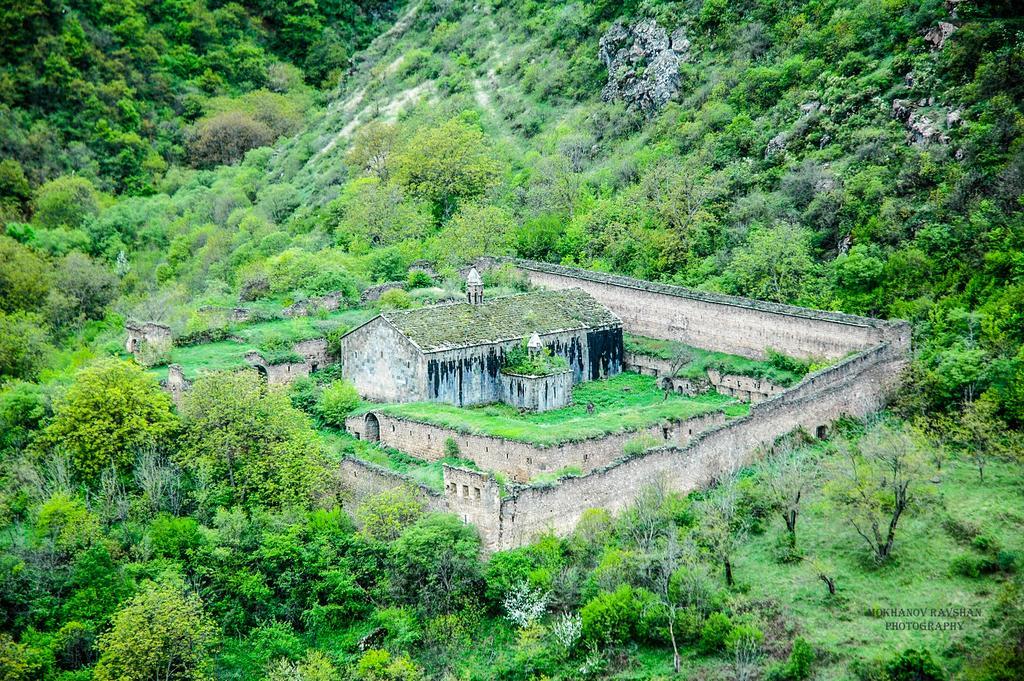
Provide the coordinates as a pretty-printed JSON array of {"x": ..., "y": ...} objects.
[{"x": 571, "y": 324}]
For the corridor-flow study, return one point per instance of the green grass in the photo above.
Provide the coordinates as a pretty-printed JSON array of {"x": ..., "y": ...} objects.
[
  {"x": 273, "y": 338},
  {"x": 624, "y": 403},
  {"x": 702, "y": 360}
]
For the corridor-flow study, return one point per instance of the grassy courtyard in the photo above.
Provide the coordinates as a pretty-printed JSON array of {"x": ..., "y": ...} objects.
[
  {"x": 779, "y": 369},
  {"x": 624, "y": 403}
]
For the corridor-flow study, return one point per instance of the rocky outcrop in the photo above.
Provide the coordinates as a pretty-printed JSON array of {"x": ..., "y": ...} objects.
[
  {"x": 374, "y": 293},
  {"x": 937, "y": 36},
  {"x": 923, "y": 127},
  {"x": 643, "y": 64}
]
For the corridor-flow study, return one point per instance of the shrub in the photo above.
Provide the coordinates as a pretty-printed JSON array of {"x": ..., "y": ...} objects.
[
  {"x": 914, "y": 665},
  {"x": 395, "y": 299},
  {"x": 610, "y": 617},
  {"x": 419, "y": 279},
  {"x": 714, "y": 633},
  {"x": 741, "y": 633},
  {"x": 451, "y": 448},
  {"x": 336, "y": 402}
]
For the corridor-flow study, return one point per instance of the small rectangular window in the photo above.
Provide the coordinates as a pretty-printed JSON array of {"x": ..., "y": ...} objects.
[
  {"x": 465, "y": 491},
  {"x": 476, "y": 493}
]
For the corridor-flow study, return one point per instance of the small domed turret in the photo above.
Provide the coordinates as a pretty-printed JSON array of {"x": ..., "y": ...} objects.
[
  {"x": 474, "y": 287},
  {"x": 534, "y": 345}
]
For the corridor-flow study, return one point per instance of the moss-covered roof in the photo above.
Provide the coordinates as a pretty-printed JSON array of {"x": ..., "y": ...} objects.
[{"x": 458, "y": 325}]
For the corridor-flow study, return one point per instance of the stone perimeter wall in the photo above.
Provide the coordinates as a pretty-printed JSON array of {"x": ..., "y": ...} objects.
[
  {"x": 856, "y": 387},
  {"x": 519, "y": 460},
  {"x": 739, "y": 326}
]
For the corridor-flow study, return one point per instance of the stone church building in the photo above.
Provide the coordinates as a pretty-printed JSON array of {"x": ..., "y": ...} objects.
[{"x": 454, "y": 352}]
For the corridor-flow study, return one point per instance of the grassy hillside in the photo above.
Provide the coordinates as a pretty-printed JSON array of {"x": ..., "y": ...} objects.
[{"x": 158, "y": 157}]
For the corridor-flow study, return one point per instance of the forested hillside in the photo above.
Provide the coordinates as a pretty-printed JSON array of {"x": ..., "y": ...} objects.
[{"x": 158, "y": 157}]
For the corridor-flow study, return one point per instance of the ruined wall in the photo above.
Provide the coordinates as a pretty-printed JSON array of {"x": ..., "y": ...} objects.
[
  {"x": 745, "y": 388},
  {"x": 176, "y": 383},
  {"x": 382, "y": 364},
  {"x": 718, "y": 322},
  {"x": 537, "y": 393},
  {"x": 314, "y": 352},
  {"x": 855, "y": 387},
  {"x": 149, "y": 333},
  {"x": 363, "y": 479},
  {"x": 474, "y": 497},
  {"x": 519, "y": 460}
]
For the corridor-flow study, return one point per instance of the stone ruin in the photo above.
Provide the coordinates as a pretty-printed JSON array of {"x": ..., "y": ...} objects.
[
  {"x": 643, "y": 64},
  {"x": 142, "y": 334}
]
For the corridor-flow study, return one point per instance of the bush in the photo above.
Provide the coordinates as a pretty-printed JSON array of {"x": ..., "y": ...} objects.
[
  {"x": 610, "y": 618},
  {"x": 419, "y": 279},
  {"x": 336, "y": 402},
  {"x": 395, "y": 299},
  {"x": 741, "y": 633},
  {"x": 451, "y": 448},
  {"x": 714, "y": 633},
  {"x": 914, "y": 665}
]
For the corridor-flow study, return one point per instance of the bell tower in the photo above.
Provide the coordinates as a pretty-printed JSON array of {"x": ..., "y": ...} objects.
[{"x": 474, "y": 287}]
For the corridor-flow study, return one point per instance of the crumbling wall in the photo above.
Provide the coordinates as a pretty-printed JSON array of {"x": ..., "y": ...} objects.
[
  {"x": 363, "y": 479},
  {"x": 739, "y": 326},
  {"x": 148, "y": 333}
]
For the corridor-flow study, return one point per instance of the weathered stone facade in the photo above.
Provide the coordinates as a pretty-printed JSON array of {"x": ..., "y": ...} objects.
[
  {"x": 537, "y": 393},
  {"x": 397, "y": 357},
  {"x": 855, "y": 386}
]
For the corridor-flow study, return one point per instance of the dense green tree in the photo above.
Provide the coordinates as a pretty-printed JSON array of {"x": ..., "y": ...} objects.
[
  {"x": 435, "y": 563},
  {"x": 111, "y": 411},
  {"x": 25, "y": 277},
  {"x": 23, "y": 345},
  {"x": 66, "y": 202},
  {"x": 250, "y": 441},
  {"x": 446, "y": 165},
  {"x": 161, "y": 633}
]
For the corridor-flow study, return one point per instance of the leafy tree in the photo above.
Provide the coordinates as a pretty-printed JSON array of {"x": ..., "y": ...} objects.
[
  {"x": 82, "y": 290},
  {"x": 224, "y": 139},
  {"x": 23, "y": 345},
  {"x": 875, "y": 486},
  {"x": 446, "y": 165},
  {"x": 336, "y": 402},
  {"x": 434, "y": 563},
  {"x": 475, "y": 230},
  {"x": 24, "y": 277},
  {"x": 981, "y": 433},
  {"x": 66, "y": 202},
  {"x": 775, "y": 264},
  {"x": 377, "y": 213},
  {"x": 386, "y": 515},
  {"x": 380, "y": 665},
  {"x": 789, "y": 478},
  {"x": 251, "y": 442},
  {"x": 372, "y": 149},
  {"x": 162, "y": 633},
  {"x": 111, "y": 411},
  {"x": 914, "y": 665},
  {"x": 722, "y": 527},
  {"x": 15, "y": 193}
]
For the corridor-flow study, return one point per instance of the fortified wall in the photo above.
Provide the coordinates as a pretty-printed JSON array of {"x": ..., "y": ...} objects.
[
  {"x": 519, "y": 460},
  {"x": 739, "y": 326}
]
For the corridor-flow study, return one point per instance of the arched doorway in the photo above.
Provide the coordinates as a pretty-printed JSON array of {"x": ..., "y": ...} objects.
[
  {"x": 262, "y": 371},
  {"x": 371, "y": 428}
]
